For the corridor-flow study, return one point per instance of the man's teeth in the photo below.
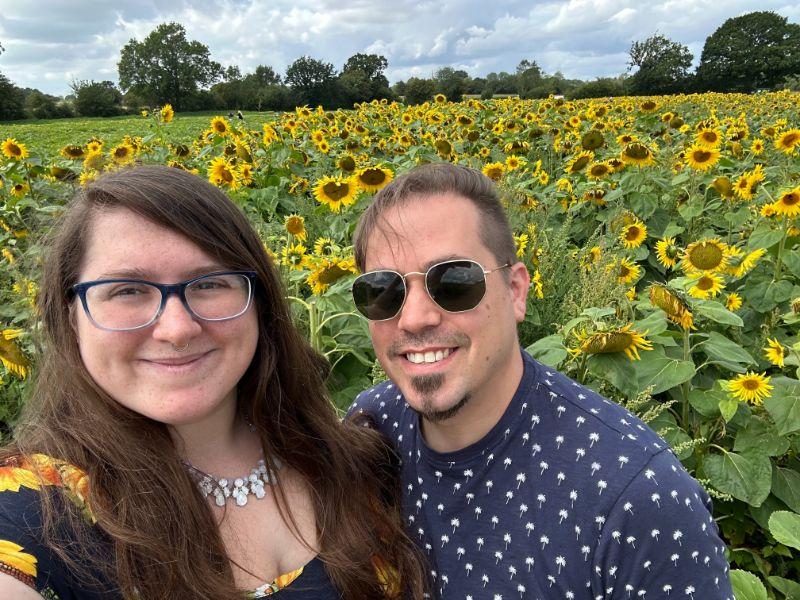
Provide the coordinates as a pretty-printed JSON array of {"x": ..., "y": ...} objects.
[{"x": 428, "y": 357}]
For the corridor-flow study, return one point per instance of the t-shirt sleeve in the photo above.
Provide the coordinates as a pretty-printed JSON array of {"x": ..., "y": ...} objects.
[
  {"x": 23, "y": 553},
  {"x": 660, "y": 539}
]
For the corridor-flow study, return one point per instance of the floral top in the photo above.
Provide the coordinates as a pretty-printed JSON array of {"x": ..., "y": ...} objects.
[{"x": 25, "y": 556}]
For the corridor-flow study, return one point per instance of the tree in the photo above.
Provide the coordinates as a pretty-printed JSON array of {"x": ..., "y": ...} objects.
[
  {"x": 602, "y": 87},
  {"x": 44, "y": 106},
  {"x": 266, "y": 75},
  {"x": 419, "y": 90},
  {"x": 451, "y": 82},
  {"x": 12, "y": 100},
  {"x": 529, "y": 78},
  {"x": 96, "y": 98},
  {"x": 312, "y": 80},
  {"x": 166, "y": 67},
  {"x": 362, "y": 78},
  {"x": 663, "y": 66},
  {"x": 753, "y": 51}
]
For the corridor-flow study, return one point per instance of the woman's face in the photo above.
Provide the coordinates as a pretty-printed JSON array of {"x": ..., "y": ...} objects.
[{"x": 141, "y": 369}]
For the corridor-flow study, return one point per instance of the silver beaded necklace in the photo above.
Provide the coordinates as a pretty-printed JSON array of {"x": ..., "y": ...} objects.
[{"x": 240, "y": 488}]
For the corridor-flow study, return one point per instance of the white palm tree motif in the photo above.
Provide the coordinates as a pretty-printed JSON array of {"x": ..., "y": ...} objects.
[
  {"x": 445, "y": 538},
  {"x": 573, "y": 496},
  {"x": 695, "y": 554},
  {"x": 563, "y": 514},
  {"x": 615, "y": 535},
  {"x": 509, "y": 496},
  {"x": 529, "y": 527},
  {"x": 529, "y": 561},
  {"x": 595, "y": 468},
  {"x": 512, "y": 570},
  {"x": 541, "y": 499},
  {"x": 631, "y": 540},
  {"x": 651, "y": 475},
  {"x": 525, "y": 437},
  {"x": 629, "y": 589},
  {"x": 485, "y": 579},
  {"x": 577, "y": 532},
  {"x": 628, "y": 507},
  {"x": 544, "y": 541},
  {"x": 507, "y": 539},
  {"x": 561, "y": 477},
  {"x": 600, "y": 520},
  {"x": 489, "y": 484},
  {"x": 521, "y": 590},
  {"x": 674, "y": 495},
  {"x": 536, "y": 449},
  {"x": 622, "y": 460},
  {"x": 580, "y": 420},
  {"x": 520, "y": 479},
  {"x": 579, "y": 454},
  {"x": 561, "y": 410},
  {"x": 585, "y": 550},
  {"x": 667, "y": 589},
  {"x": 495, "y": 521},
  {"x": 455, "y": 524},
  {"x": 674, "y": 558},
  {"x": 467, "y": 473},
  {"x": 489, "y": 458},
  {"x": 470, "y": 497},
  {"x": 559, "y": 441},
  {"x": 438, "y": 475},
  {"x": 421, "y": 532},
  {"x": 655, "y": 533},
  {"x": 524, "y": 406},
  {"x": 479, "y": 541},
  {"x": 456, "y": 487},
  {"x": 468, "y": 568},
  {"x": 601, "y": 485},
  {"x": 478, "y": 511},
  {"x": 523, "y": 508},
  {"x": 506, "y": 463},
  {"x": 535, "y": 420},
  {"x": 677, "y": 535},
  {"x": 561, "y": 562},
  {"x": 424, "y": 496},
  {"x": 656, "y": 498},
  {"x": 498, "y": 556},
  {"x": 440, "y": 507},
  {"x": 689, "y": 591},
  {"x": 646, "y": 565},
  {"x": 594, "y": 437}
]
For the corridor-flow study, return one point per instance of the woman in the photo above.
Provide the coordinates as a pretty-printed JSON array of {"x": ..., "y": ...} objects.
[{"x": 170, "y": 361}]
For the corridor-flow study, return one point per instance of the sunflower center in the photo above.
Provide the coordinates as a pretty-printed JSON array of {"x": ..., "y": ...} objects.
[
  {"x": 330, "y": 274},
  {"x": 637, "y": 151},
  {"x": 791, "y": 138},
  {"x": 373, "y": 176},
  {"x": 14, "y": 149},
  {"x": 706, "y": 257},
  {"x": 443, "y": 147},
  {"x": 790, "y": 199},
  {"x": 751, "y": 384},
  {"x": 705, "y": 283},
  {"x": 336, "y": 191},
  {"x": 580, "y": 163},
  {"x": 701, "y": 156},
  {"x": 632, "y": 233}
]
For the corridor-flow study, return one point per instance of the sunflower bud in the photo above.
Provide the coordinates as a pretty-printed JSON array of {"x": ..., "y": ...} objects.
[{"x": 676, "y": 309}]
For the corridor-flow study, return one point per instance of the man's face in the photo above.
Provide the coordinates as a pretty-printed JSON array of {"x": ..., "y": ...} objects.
[{"x": 477, "y": 347}]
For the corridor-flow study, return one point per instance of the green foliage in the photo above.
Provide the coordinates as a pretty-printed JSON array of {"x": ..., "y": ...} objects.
[
  {"x": 12, "y": 100},
  {"x": 662, "y": 66},
  {"x": 750, "y": 52},
  {"x": 45, "y": 106},
  {"x": 418, "y": 90},
  {"x": 166, "y": 68},
  {"x": 313, "y": 81},
  {"x": 97, "y": 99}
]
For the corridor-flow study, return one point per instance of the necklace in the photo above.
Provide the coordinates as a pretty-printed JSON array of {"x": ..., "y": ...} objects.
[{"x": 240, "y": 488}]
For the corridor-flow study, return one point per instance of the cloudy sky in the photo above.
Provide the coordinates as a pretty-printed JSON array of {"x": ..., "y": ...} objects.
[{"x": 50, "y": 44}]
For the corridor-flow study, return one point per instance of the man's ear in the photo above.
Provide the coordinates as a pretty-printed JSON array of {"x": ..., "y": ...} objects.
[{"x": 519, "y": 282}]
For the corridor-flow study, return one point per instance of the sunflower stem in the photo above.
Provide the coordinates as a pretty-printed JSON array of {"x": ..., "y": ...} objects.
[
  {"x": 778, "y": 260},
  {"x": 314, "y": 327},
  {"x": 687, "y": 355}
]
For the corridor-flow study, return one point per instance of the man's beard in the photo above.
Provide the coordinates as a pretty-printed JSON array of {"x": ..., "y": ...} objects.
[{"x": 425, "y": 386}]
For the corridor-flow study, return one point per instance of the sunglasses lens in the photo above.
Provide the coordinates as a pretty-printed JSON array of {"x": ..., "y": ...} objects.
[
  {"x": 457, "y": 285},
  {"x": 379, "y": 295}
]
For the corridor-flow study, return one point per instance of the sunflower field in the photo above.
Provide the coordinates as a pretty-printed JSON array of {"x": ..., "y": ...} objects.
[{"x": 661, "y": 233}]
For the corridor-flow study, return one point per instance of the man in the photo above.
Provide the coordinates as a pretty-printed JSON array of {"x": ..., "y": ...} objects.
[{"x": 519, "y": 482}]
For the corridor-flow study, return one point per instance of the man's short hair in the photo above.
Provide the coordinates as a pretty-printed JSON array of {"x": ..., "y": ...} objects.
[{"x": 436, "y": 179}]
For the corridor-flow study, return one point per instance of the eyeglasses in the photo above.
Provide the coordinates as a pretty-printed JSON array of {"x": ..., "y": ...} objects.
[
  {"x": 128, "y": 304},
  {"x": 455, "y": 285}
]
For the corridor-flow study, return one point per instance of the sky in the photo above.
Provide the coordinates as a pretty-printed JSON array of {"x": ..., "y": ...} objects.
[{"x": 50, "y": 44}]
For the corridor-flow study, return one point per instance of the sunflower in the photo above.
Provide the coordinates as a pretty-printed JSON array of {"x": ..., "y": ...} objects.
[
  {"x": 336, "y": 192},
  {"x": 788, "y": 141},
  {"x": 346, "y": 163},
  {"x": 219, "y": 125},
  {"x": 709, "y": 137},
  {"x": 14, "y": 149},
  {"x": 750, "y": 387},
  {"x": 649, "y": 106},
  {"x": 623, "y": 339},
  {"x": 667, "y": 252},
  {"x": 733, "y": 301},
  {"x": 72, "y": 152},
  {"x": 372, "y": 179},
  {"x": 745, "y": 187},
  {"x": 701, "y": 158},
  {"x": 706, "y": 285},
  {"x": 325, "y": 246},
  {"x": 294, "y": 257},
  {"x": 627, "y": 271},
  {"x": 747, "y": 263},
  {"x": 326, "y": 271},
  {"x": 514, "y": 162},
  {"x": 592, "y": 140},
  {"x": 637, "y": 154},
  {"x": 11, "y": 356},
  {"x": 788, "y": 203},
  {"x": 93, "y": 146},
  {"x": 222, "y": 173},
  {"x": 580, "y": 161},
  {"x": 705, "y": 255},
  {"x": 599, "y": 170},
  {"x": 633, "y": 234},
  {"x": 494, "y": 171},
  {"x": 675, "y": 308},
  {"x": 440, "y": 98},
  {"x": 167, "y": 113},
  {"x": 591, "y": 258},
  {"x": 757, "y": 147},
  {"x": 122, "y": 154},
  {"x": 18, "y": 190},
  {"x": 723, "y": 186},
  {"x": 296, "y": 226},
  {"x": 775, "y": 352}
]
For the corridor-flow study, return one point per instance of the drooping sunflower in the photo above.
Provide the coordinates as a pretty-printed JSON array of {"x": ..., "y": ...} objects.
[
  {"x": 336, "y": 192},
  {"x": 223, "y": 174},
  {"x": 592, "y": 140},
  {"x": 706, "y": 285},
  {"x": 675, "y": 308},
  {"x": 346, "y": 163},
  {"x": 775, "y": 352},
  {"x": 598, "y": 170},
  {"x": 788, "y": 203},
  {"x": 72, "y": 152},
  {"x": 296, "y": 226},
  {"x": 580, "y": 161},
  {"x": 788, "y": 141},
  {"x": 11, "y": 356},
  {"x": 325, "y": 246},
  {"x": 494, "y": 171},
  {"x": 326, "y": 271},
  {"x": 294, "y": 257},
  {"x": 733, "y": 301},
  {"x": 705, "y": 255},
  {"x": 637, "y": 154},
  {"x": 746, "y": 263},
  {"x": 373, "y": 179},
  {"x": 633, "y": 234},
  {"x": 750, "y": 387},
  {"x": 701, "y": 158},
  {"x": 723, "y": 186},
  {"x": 167, "y": 113},
  {"x": 667, "y": 252},
  {"x": 623, "y": 339},
  {"x": 14, "y": 150}
]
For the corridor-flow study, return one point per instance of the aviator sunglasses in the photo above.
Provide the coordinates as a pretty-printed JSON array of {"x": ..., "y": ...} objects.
[{"x": 454, "y": 285}]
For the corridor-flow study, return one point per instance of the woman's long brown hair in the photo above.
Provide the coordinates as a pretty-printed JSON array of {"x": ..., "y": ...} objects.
[{"x": 161, "y": 532}]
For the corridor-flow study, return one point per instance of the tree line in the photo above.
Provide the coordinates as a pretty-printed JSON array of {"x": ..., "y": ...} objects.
[{"x": 755, "y": 51}]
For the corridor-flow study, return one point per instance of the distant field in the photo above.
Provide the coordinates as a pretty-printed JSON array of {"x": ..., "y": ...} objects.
[{"x": 46, "y": 137}]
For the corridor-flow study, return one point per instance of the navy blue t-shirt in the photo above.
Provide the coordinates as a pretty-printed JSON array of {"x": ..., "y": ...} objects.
[{"x": 568, "y": 497}]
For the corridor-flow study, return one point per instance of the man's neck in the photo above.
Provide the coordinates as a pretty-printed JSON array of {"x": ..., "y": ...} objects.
[{"x": 478, "y": 416}]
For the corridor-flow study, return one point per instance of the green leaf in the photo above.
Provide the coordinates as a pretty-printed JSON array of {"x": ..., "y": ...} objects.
[
  {"x": 787, "y": 587},
  {"x": 786, "y": 486},
  {"x": 616, "y": 369},
  {"x": 549, "y": 350},
  {"x": 785, "y": 411},
  {"x": 662, "y": 372},
  {"x": 747, "y": 477},
  {"x": 785, "y": 527},
  {"x": 763, "y": 436},
  {"x": 716, "y": 312},
  {"x": 690, "y": 210},
  {"x": 764, "y": 236},
  {"x": 761, "y": 514},
  {"x": 747, "y": 586},
  {"x": 706, "y": 402},
  {"x": 725, "y": 350},
  {"x": 654, "y": 323},
  {"x": 728, "y": 408},
  {"x": 792, "y": 262}
]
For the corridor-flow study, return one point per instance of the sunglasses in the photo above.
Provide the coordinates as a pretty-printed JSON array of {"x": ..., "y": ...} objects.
[{"x": 454, "y": 285}]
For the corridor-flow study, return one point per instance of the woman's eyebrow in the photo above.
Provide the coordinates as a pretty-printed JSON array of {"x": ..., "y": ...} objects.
[{"x": 149, "y": 276}]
